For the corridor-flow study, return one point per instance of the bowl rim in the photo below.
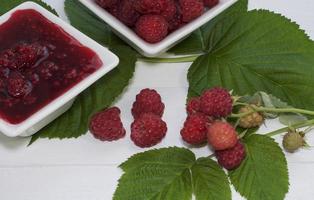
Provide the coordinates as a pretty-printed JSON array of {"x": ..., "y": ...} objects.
[
  {"x": 109, "y": 60},
  {"x": 153, "y": 50}
]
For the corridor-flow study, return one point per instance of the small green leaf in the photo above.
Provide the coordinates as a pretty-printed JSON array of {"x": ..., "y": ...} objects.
[
  {"x": 199, "y": 39},
  {"x": 7, "y": 5},
  {"x": 290, "y": 118},
  {"x": 210, "y": 182},
  {"x": 74, "y": 122},
  {"x": 263, "y": 175},
  {"x": 87, "y": 22},
  {"x": 248, "y": 54},
  {"x": 162, "y": 174}
]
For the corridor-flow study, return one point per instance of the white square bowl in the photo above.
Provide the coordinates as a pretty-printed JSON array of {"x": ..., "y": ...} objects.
[
  {"x": 59, "y": 105},
  {"x": 153, "y": 50}
]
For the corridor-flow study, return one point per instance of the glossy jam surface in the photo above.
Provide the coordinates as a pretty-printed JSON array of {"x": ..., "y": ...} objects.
[{"x": 39, "y": 62}]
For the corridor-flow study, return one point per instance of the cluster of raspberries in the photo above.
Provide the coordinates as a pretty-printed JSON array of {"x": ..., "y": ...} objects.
[
  {"x": 147, "y": 130},
  {"x": 153, "y": 20},
  {"x": 204, "y": 124}
]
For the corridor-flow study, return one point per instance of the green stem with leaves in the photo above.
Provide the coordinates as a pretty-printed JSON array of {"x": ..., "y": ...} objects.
[
  {"x": 273, "y": 110},
  {"x": 170, "y": 60},
  {"x": 295, "y": 126}
]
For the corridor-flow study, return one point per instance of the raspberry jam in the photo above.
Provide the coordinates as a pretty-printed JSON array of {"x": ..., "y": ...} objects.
[{"x": 39, "y": 62}]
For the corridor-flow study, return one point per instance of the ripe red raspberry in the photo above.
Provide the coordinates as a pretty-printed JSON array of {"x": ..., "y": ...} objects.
[
  {"x": 150, "y": 6},
  {"x": 170, "y": 10},
  {"x": 176, "y": 22},
  {"x": 107, "y": 3},
  {"x": 18, "y": 86},
  {"x": 195, "y": 129},
  {"x": 231, "y": 158},
  {"x": 127, "y": 14},
  {"x": 148, "y": 101},
  {"x": 216, "y": 102},
  {"x": 152, "y": 28},
  {"x": 148, "y": 130},
  {"x": 210, "y": 3},
  {"x": 191, "y": 9},
  {"x": 114, "y": 10},
  {"x": 107, "y": 125},
  {"x": 193, "y": 105},
  {"x": 221, "y": 135}
]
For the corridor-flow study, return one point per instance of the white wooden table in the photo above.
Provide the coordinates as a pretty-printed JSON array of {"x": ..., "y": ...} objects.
[{"x": 86, "y": 169}]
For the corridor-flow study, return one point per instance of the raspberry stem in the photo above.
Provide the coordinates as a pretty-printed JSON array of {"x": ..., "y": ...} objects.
[
  {"x": 295, "y": 126},
  {"x": 273, "y": 110},
  {"x": 170, "y": 60}
]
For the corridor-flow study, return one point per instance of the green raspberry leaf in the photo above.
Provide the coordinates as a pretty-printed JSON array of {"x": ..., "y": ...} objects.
[
  {"x": 162, "y": 174},
  {"x": 210, "y": 182},
  {"x": 199, "y": 39},
  {"x": 258, "y": 51},
  {"x": 263, "y": 175},
  {"x": 102, "y": 94},
  {"x": 8, "y": 5}
]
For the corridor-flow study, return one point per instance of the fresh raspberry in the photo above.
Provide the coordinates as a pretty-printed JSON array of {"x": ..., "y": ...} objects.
[
  {"x": 191, "y": 9},
  {"x": 4, "y": 72},
  {"x": 107, "y": 3},
  {"x": 195, "y": 129},
  {"x": 148, "y": 130},
  {"x": 23, "y": 55},
  {"x": 231, "y": 158},
  {"x": 152, "y": 28},
  {"x": 176, "y": 22},
  {"x": 252, "y": 120},
  {"x": 18, "y": 86},
  {"x": 221, "y": 135},
  {"x": 150, "y": 6},
  {"x": 127, "y": 14},
  {"x": 170, "y": 10},
  {"x": 114, "y": 10},
  {"x": 148, "y": 101},
  {"x": 293, "y": 141},
  {"x": 107, "y": 125},
  {"x": 216, "y": 102},
  {"x": 193, "y": 105},
  {"x": 210, "y": 3}
]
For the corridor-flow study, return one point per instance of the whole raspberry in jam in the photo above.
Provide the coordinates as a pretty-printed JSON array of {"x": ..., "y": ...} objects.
[
  {"x": 150, "y": 6},
  {"x": 107, "y": 3},
  {"x": 216, "y": 102},
  {"x": 23, "y": 55},
  {"x": 18, "y": 86},
  {"x": 47, "y": 69},
  {"x": 148, "y": 130},
  {"x": 210, "y": 3},
  {"x": 194, "y": 130},
  {"x": 231, "y": 158},
  {"x": 148, "y": 101},
  {"x": 127, "y": 14},
  {"x": 152, "y": 28},
  {"x": 191, "y": 9},
  {"x": 193, "y": 105},
  {"x": 107, "y": 125},
  {"x": 221, "y": 135}
]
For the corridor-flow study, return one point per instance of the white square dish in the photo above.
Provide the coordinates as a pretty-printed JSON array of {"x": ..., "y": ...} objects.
[
  {"x": 153, "y": 50},
  {"x": 62, "y": 103}
]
